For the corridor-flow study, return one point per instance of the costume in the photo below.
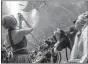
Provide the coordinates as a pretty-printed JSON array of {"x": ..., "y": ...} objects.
[
  {"x": 80, "y": 48},
  {"x": 20, "y": 55}
]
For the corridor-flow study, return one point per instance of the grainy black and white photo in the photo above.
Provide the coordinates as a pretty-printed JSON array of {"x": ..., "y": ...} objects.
[{"x": 44, "y": 31}]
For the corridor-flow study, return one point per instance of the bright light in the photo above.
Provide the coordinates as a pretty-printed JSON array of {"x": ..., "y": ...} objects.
[
  {"x": 34, "y": 17},
  {"x": 34, "y": 11},
  {"x": 13, "y": 6}
]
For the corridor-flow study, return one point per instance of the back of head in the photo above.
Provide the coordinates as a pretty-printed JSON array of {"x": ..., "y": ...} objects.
[{"x": 9, "y": 21}]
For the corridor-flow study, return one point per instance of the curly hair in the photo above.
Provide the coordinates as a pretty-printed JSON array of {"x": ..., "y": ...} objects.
[{"x": 9, "y": 21}]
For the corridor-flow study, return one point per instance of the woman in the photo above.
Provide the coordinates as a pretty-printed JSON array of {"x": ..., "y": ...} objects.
[
  {"x": 79, "y": 52},
  {"x": 16, "y": 37}
]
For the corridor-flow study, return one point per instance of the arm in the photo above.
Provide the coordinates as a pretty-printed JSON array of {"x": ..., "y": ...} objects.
[
  {"x": 21, "y": 16},
  {"x": 20, "y": 24},
  {"x": 55, "y": 46},
  {"x": 29, "y": 26},
  {"x": 20, "y": 20},
  {"x": 23, "y": 32}
]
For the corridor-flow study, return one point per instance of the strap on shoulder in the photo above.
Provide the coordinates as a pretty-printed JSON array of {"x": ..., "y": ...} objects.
[{"x": 10, "y": 37}]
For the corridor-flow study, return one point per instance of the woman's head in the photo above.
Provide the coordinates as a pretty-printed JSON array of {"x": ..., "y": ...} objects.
[
  {"x": 9, "y": 22},
  {"x": 82, "y": 19}
]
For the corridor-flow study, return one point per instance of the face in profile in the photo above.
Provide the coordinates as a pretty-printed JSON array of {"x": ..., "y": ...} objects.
[{"x": 80, "y": 22}]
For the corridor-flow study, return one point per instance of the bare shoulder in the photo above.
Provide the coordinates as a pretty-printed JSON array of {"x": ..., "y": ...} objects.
[
  {"x": 15, "y": 37},
  {"x": 23, "y": 32},
  {"x": 18, "y": 34}
]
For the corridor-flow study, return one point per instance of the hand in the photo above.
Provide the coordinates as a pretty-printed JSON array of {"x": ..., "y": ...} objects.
[{"x": 20, "y": 16}]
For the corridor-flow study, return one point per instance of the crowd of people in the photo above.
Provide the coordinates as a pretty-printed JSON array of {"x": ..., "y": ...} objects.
[{"x": 76, "y": 39}]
